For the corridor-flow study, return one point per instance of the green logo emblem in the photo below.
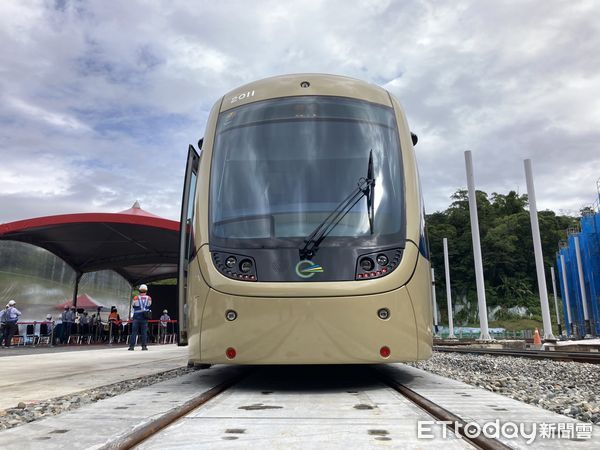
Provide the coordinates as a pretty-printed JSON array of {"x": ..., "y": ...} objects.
[{"x": 307, "y": 269}]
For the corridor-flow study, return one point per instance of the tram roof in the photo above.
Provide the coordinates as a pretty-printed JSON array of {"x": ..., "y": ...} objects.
[{"x": 136, "y": 244}]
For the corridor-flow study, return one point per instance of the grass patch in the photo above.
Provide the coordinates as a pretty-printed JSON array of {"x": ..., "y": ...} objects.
[{"x": 517, "y": 324}]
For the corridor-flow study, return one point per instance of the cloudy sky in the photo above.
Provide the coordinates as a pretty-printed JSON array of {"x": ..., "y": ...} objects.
[{"x": 100, "y": 99}]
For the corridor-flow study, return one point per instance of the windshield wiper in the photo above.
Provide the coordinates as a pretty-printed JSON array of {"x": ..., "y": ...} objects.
[{"x": 365, "y": 188}]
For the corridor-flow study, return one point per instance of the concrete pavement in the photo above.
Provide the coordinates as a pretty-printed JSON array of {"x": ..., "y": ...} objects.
[{"x": 33, "y": 377}]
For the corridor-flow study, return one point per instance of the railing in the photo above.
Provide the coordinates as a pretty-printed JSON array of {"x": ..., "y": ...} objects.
[
  {"x": 474, "y": 334},
  {"x": 52, "y": 333}
]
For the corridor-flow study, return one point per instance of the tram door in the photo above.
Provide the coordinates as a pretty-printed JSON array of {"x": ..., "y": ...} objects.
[{"x": 186, "y": 237}]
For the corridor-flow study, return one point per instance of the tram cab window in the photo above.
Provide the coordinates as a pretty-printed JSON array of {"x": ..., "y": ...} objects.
[{"x": 281, "y": 166}]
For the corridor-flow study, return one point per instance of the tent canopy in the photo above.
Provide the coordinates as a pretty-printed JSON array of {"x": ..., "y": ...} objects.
[
  {"x": 83, "y": 301},
  {"x": 138, "y": 245}
]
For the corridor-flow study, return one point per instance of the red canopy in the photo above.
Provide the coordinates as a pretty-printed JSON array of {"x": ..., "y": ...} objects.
[
  {"x": 138, "y": 245},
  {"x": 136, "y": 210},
  {"x": 83, "y": 301}
]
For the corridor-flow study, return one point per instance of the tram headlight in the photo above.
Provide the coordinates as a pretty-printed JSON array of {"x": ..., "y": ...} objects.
[
  {"x": 377, "y": 264},
  {"x": 230, "y": 262},
  {"x": 235, "y": 266},
  {"x": 383, "y": 313},
  {"x": 367, "y": 264},
  {"x": 230, "y": 315},
  {"x": 382, "y": 260},
  {"x": 246, "y": 265}
]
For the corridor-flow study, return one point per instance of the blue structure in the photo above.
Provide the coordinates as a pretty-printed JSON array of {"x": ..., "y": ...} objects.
[{"x": 589, "y": 245}]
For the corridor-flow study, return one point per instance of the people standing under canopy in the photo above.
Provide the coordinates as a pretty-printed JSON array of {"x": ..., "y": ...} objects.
[{"x": 11, "y": 316}]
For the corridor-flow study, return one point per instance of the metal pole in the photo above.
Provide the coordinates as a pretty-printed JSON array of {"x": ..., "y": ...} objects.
[
  {"x": 78, "y": 276},
  {"x": 555, "y": 300},
  {"x": 448, "y": 291},
  {"x": 483, "y": 321},
  {"x": 537, "y": 249},
  {"x": 130, "y": 300},
  {"x": 586, "y": 317},
  {"x": 435, "y": 316},
  {"x": 563, "y": 269}
]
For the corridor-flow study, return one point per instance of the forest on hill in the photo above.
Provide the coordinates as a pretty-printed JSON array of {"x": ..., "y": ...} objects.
[{"x": 507, "y": 251}]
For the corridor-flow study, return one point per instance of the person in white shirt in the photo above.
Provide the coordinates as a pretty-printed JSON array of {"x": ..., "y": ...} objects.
[
  {"x": 164, "y": 323},
  {"x": 12, "y": 315}
]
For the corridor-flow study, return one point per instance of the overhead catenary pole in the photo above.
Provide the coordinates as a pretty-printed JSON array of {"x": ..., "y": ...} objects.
[
  {"x": 435, "y": 316},
  {"x": 482, "y": 305},
  {"x": 563, "y": 269},
  {"x": 448, "y": 291},
  {"x": 537, "y": 250},
  {"x": 555, "y": 300},
  {"x": 586, "y": 316}
]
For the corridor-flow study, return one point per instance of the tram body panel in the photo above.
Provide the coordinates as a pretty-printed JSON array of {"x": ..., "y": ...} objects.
[
  {"x": 419, "y": 290},
  {"x": 338, "y": 330},
  {"x": 201, "y": 204},
  {"x": 198, "y": 292},
  {"x": 291, "y": 85}
]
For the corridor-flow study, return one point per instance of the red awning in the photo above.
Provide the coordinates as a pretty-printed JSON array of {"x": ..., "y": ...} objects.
[
  {"x": 83, "y": 301},
  {"x": 138, "y": 245}
]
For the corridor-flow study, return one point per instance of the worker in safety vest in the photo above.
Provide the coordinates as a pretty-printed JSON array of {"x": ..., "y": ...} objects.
[{"x": 141, "y": 308}]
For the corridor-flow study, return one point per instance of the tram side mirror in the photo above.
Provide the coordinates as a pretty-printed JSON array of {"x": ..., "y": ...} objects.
[
  {"x": 200, "y": 142},
  {"x": 414, "y": 137}
]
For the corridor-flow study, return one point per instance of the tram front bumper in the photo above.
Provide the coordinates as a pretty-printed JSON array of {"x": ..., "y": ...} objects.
[{"x": 329, "y": 330}]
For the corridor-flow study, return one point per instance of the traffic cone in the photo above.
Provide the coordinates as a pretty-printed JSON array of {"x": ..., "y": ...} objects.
[{"x": 537, "y": 340}]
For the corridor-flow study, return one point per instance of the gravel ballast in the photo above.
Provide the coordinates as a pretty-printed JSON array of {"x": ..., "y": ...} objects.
[{"x": 568, "y": 388}]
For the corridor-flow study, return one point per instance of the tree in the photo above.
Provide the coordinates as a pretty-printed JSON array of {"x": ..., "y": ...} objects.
[{"x": 506, "y": 245}]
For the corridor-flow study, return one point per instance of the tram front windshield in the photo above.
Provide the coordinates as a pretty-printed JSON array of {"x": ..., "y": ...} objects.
[{"x": 281, "y": 166}]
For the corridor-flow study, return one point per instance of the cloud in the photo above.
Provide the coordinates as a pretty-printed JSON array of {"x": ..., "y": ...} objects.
[
  {"x": 34, "y": 112},
  {"x": 99, "y": 100}
]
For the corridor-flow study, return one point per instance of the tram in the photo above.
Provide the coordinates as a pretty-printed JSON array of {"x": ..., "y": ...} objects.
[{"x": 303, "y": 229}]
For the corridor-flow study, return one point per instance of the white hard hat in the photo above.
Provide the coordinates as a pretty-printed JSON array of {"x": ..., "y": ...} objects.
[
  {"x": 48, "y": 316},
  {"x": 165, "y": 311},
  {"x": 143, "y": 288},
  {"x": 11, "y": 303}
]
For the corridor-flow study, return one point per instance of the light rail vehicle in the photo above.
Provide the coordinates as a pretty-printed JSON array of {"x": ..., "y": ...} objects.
[{"x": 303, "y": 229}]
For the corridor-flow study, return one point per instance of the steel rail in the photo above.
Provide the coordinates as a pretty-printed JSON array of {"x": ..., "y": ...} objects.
[
  {"x": 151, "y": 428},
  {"x": 580, "y": 357},
  {"x": 441, "y": 414}
]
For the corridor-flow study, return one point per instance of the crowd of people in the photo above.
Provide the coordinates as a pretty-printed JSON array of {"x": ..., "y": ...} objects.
[{"x": 93, "y": 328}]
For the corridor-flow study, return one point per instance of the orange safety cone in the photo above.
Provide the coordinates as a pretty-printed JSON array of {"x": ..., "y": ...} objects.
[{"x": 537, "y": 340}]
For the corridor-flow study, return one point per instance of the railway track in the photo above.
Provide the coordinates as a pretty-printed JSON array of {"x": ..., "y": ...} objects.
[
  {"x": 582, "y": 357},
  {"x": 294, "y": 407},
  {"x": 441, "y": 414},
  {"x": 157, "y": 424},
  {"x": 435, "y": 412}
]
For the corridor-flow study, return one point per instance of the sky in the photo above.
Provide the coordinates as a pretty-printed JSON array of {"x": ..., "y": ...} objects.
[{"x": 100, "y": 99}]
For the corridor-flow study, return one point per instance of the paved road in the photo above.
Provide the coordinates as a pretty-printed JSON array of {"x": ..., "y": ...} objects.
[{"x": 33, "y": 377}]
